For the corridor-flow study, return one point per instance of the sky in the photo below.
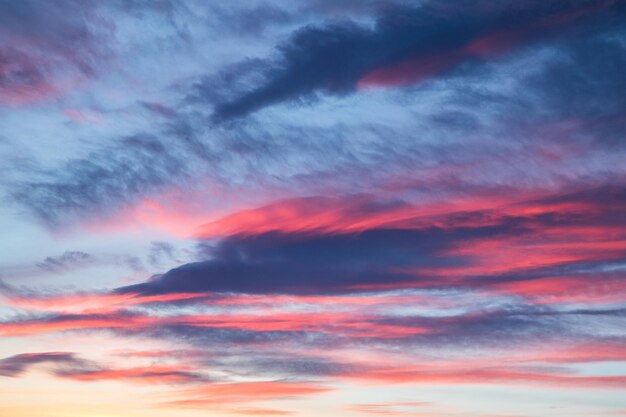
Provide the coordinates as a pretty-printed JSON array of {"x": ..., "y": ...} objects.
[{"x": 312, "y": 208}]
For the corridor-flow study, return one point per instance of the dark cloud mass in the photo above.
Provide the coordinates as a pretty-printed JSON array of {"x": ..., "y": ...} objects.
[
  {"x": 275, "y": 262},
  {"x": 436, "y": 35},
  {"x": 319, "y": 262}
]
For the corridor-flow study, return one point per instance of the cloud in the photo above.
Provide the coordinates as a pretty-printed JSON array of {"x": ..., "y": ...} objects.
[
  {"x": 63, "y": 322},
  {"x": 580, "y": 85},
  {"x": 48, "y": 49},
  {"x": 16, "y": 365},
  {"x": 311, "y": 214},
  {"x": 160, "y": 251},
  {"x": 465, "y": 227},
  {"x": 81, "y": 302},
  {"x": 329, "y": 246},
  {"x": 406, "y": 45},
  {"x": 480, "y": 338},
  {"x": 261, "y": 412},
  {"x": 487, "y": 375},
  {"x": 554, "y": 138},
  {"x": 300, "y": 263},
  {"x": 21, "y": 79},
  {"x": 238, "y": 327},
  {"x": 407, "y": 408},
  {"x": 72, "y": 367},
  {"x": 143, "y": 375},
  {"x": 68, "y": 260},
  {"x": 247, "y": 392},
  {"x": 568, "y": 102},
  {"x": 134, "y": 167},
  {"x": 402, "y": 323}
]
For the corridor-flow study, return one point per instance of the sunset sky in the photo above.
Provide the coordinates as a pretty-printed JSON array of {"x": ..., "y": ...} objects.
[{"x": 312, "y": 208}]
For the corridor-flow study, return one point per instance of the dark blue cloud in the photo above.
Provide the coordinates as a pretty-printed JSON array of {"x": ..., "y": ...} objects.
[
  {"x": 308, "y": 263},
  {"x": 333, "y": 57},
  {"x": 332, "y": 262}
]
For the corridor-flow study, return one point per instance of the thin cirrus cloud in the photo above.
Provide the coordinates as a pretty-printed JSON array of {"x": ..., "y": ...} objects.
[{"x": 47, "y": 51}]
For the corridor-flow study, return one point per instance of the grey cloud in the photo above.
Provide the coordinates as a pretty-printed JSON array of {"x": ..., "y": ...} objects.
[
  {"x": 14, "y": 366},
  {"x": 135, "y": 166},
  {"x": 68, "y": 260}
]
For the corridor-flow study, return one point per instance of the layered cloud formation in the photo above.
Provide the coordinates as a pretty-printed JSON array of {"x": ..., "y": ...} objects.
[{"x": 330, "y": 208}]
